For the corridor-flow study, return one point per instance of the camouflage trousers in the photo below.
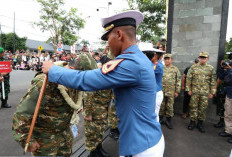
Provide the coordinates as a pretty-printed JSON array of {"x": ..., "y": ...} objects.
[
  {"x": 6, "y": 87},
  {"x": 54, "y": 144},
  {"x": 94, "y": 131},
  {"x": 198, "y": 106},
  {"x": 112, "y": 117},
  {"x": 166, "y": 108}
]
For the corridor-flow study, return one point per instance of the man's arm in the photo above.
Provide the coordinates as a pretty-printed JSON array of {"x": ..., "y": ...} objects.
[
  {"x": 213, "y": 83},
  {"x": 178, "y": 81},
  {"x": 189, "y": 82},
  {"x": 88, "y": 107},
  {"x": 92, "y": 80}
]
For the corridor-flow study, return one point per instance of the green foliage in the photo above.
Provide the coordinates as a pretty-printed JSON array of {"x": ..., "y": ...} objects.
[
  {"x": 84, "y": 42},
  {"x": 154, "y": 17},
  {"x": 62, "y": 25},
  {"x": 7, "y": 42},
  {"x": 229, "y": 46}
]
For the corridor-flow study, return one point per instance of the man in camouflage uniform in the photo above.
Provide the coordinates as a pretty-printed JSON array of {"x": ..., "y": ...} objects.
[
  {"x": 52, "y": 135},
  {"x": 95, "y": 110},
  {"x": 6, "y": 78},
  {"x": 171, "y": 87},
  {"x": 201, "y": 85}
]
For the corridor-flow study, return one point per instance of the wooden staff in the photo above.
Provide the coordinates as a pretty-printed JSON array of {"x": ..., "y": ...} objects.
[{"x": 36, "y": 112}]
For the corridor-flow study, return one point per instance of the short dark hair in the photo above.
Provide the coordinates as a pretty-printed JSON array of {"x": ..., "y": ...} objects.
[
  {"x": 149, "y": 54},
  {"x": 73, "y": 64},
  {"x": 130, "y": 31}
]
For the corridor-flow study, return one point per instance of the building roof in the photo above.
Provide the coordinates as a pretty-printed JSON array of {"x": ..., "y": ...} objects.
[{"x": 34, "y": 44}]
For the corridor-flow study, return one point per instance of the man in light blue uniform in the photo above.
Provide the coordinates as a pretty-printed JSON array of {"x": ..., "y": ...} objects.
[{"x": 132, "y": 78}]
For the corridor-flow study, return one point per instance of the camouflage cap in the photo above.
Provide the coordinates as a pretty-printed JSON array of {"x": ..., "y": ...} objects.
[
  {"x": 204, "y": 54},
  {"x": 86, "y": 62},
  {"x": 1, "y": 50},
  {"x": 168, "y": 55}
]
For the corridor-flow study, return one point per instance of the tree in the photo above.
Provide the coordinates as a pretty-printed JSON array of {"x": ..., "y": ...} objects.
[
  {"x": 7, "y": 42},
  {"x": 229, "y": 46},
  {"x": 154, "y": 17},
  {"x": 85, "y": 42},
  {"x": 62, "y": 25}
]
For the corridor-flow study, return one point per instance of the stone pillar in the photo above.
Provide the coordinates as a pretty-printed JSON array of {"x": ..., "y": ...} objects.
[{"x": 195, "y": 27}]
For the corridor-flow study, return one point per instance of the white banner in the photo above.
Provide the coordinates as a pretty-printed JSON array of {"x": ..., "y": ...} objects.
[{"x": 73, "y": 48}]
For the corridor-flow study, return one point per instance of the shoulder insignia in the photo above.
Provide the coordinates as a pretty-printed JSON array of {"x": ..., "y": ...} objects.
[
  {"x": 110, "y": 66},
  {"x": 155, "y": 67}
]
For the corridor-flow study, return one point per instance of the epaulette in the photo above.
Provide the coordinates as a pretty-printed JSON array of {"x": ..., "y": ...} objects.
[{"x": 110, "y": 66}]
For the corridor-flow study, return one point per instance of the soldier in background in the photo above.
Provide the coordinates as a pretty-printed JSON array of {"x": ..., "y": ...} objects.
[
  {"x": 112, "y": 117},
  {"x": 6, "y": 78},
  {"x": 186, "y": 96},
  {"x": 171, "y": 88},
  {"x": 95, "y": 115},
  {"x": 201, "y": 85}
]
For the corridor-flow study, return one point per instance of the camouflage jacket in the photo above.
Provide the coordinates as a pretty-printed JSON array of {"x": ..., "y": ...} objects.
[
  {"x": 171, "y": 80},
  {"x": 96, "y": 103},
  {"x": 201, "y": 79},
  {"x": 53, "y": 117}
]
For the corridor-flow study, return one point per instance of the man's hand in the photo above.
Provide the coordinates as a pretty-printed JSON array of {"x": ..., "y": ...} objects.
[
  {"x": 46, "y": 66},
  {"x": 35, "y": 145},
  {"x": 1, "y": 79},
  {"x": 88, "y": 118},
  {"x": 190, "y": 93},
  {"x": 176, "y": 95},
  {"x": 4, "y": 74},
  {"x": 210, "y": 96}
]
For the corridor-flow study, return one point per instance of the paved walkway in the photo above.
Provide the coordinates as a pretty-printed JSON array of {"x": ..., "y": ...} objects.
[{"x": 180, "y": 142}]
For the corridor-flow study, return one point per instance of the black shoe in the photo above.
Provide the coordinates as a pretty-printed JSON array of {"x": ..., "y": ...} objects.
[
  {"x": 4, "y": 104},
  {"x": 192, "y": 125},
  {"x": 102, "y": 151},
  {"x": 161, "y": 120},
  {"x": 114, "y": 134},
  {"x": 229, "y": 140},
  {"x": 220, "y": 124},
  {"x": 224, "y": 134},
  {"x": 200, "y": 126},
  {"x": 169, "y": 123}
]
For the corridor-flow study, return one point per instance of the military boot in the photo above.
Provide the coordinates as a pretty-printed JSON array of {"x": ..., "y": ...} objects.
[
  {"x": 161, "y": 120},
  {"x": 220, "y": 124},
  {"x": 114, "y": 134},
  {"x": 4, "y": 103},
  {"x": 200, "y": 126},
  {"x": 169, "y": 123},
  {"x": 192, "y": 125},
  {"x": 102, "y": 151}
]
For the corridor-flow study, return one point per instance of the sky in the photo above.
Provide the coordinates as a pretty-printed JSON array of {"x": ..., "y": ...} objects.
[{"x": 27, "y": 12}]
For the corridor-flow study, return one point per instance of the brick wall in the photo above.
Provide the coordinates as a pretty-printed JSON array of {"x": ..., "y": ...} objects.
[{"x": 196, "y": 28}]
